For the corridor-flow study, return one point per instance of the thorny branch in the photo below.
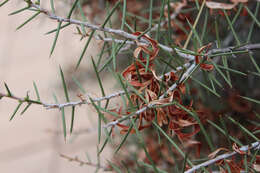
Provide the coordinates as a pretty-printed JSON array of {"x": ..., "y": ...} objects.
[
  {"x": 249, "y": 47},
  {"x": 255, "y": 146},
  {"x": 126, "y": 34},
  {"x": 85, "y": 100},
  {"x": 178, "y": 51},
  {"x": 81, "y": 163},
  {"x": 50, "y": 106},
  {"x": 95, "y": 27},
  {"x": 173, "y": 16},
  {"x": 20, "y": 99}
]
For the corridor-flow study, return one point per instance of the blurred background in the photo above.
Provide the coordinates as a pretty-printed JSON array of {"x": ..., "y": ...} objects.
[{"x": 34, "y": 141}]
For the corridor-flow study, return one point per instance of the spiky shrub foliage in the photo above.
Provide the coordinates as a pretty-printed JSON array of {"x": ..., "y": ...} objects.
[{"x": 190, "y": 93}]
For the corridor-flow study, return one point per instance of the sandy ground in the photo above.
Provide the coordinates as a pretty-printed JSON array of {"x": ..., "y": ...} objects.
[{"x": 32, "y": 142}]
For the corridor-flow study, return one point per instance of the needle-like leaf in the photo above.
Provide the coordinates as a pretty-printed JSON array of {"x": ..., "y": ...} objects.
[
  {"x": 124, "y": 15},
  {"x": 85, "y": 48},
  {"x": 55, "y": 30},
  {"x": 8, "y": 90},
  {"x": 56, "y": 38},
  {"x": 3, "y": 3},
  {"x": 100, "y": 117},
  {"x": 172, "y": 142},
  {"x": 52, "y": 6},
  {"x": 28, "y": 20},
  {"x": 36, "y": 91},
  {"x": 64, "y": 123},
  {"x": 251, "y": 100},
  {"x": 72, "y": 8},
  {"x": 72, "y": 119},
  {"x": 79, "y": 85},
  {"x": 26, "y": 108},
  {"x": 16, "y": 109},
  {"x": 64, "y": 85},
  {"x": 111, "y": 13},
  {"x": 18, "y": 11},
  {"x": 98, "y": 77},
  {"x": 205, "y": 86}
]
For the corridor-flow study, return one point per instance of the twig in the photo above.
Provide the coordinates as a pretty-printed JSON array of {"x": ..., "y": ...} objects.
[
  {"x": 191, "y": 57},
  {"x": 255, "y": 146},
  {"x": 84, "y": 101},
  {"x": 248, "y": 47},
  {"x": 50, "y": 106},
  {"x": 177, "y": 50},
  {"x": 184, "y": 76},
  {"x": 95, "y": 27},
  {"x": 113, "y": 123},
  {"x": 81, "y": 163},
  {"x": 20, "y": 99},
  {"x": 114, "y": 40},
  {"x": 173, "y": 16},
  {"x": 150, "y": 105},
  {"x": 127, "y": 42}
]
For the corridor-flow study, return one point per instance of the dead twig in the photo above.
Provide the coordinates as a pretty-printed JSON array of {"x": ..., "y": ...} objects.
[
  {"x": 255, "y": 146},
  {"x": 82, "y": 163}
]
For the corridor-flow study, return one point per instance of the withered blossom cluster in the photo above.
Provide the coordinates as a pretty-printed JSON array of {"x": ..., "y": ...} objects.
[{"x": 169, "y": 111}]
